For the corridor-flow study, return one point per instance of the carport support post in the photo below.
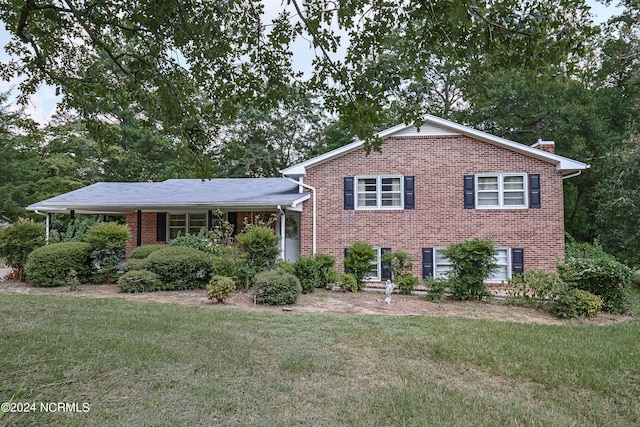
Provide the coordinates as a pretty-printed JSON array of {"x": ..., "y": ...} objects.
[
  {"x": 48, "y": 226},
  {"x": 139, "y": 229}
]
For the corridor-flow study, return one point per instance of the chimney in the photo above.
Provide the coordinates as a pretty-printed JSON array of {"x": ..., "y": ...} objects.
[{"x": 548, "y": 146}]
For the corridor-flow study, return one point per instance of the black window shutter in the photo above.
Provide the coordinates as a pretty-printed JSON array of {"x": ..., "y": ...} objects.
[
  {"x": 161, "y": 227},
  {"x": 409, "y": 192},
  {"x": 209, "y": 220},
  {"x": 534, "y": 191},
  {"x": 517, "y": 260},
  {"x": 385, "y": 271},
  {"x": 427, "y": 262},
  {"x": 346, "y": 270},
  {"x": 232, "y": 217},
  {"x": 469, "y": 192},
  {"x": 348, "y": 192}
]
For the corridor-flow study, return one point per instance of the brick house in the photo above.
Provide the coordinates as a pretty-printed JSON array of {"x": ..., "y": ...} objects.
[
  {"x": 434, "y": 186},
  {"x": 429, "y": 187}
]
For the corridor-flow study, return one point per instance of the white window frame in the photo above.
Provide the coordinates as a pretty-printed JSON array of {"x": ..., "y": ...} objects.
[
  {"x": 489, "y": 280},
  {"x": 501, "y": 191},
  {"x": 187, "y": 222},
  {"x": 378, "y": 264},
  {"x": 378, "y": 179}
]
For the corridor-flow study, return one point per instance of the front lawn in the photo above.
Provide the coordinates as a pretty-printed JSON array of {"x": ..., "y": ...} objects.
[{"x": 139, "y": 363}]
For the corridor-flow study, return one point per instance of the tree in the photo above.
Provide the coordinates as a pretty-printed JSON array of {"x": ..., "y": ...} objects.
[{"x": 188, "y": 67}]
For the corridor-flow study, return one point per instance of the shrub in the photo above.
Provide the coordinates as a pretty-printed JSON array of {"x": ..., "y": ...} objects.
[
  {"x": 601, "y": 275},
  {"x": 141, "y": 252},
  {"x": 202, "y": 241},
  {"x": 277, "y": 288},
  {"x": 260, "y": 248},
  {"x": 139, "y": 281},
  {"x": 358, "y": 260},
  {"x": 326, "y": 273},
  {"x": 406, "y": 283},
  {"x": 285, "y": 266},
  {"x": 349, "y": 283},
  {"x": 576, "y": 303},
  {"x": 108, "y": 241},
  {"x": 133, "y": 265},
  {"x": 220, "y": 288},
  {"x": 534, "y": 288},
  {"x": 307, "y": 272},
  {"x": 472, "y": 262},
  {"x": 180, "y": 267},
  {"x": 51, "y": 265},
  {"x": 230, "y": 263},
  {"x": 75, "y": 230},
  {"x": 399, "y": 263},
  {"x": 436, "y": 288},
  {"x": 18, "y": 240}
]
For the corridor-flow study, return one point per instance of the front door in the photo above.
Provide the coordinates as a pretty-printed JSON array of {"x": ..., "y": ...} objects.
[{"x": 292, "y": 236}]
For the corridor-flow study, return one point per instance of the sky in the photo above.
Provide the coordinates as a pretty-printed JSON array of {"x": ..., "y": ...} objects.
[{"x": 42, "y": 104}]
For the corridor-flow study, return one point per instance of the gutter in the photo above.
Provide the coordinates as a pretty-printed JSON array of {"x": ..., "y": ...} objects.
[
  {"x": 571, "y": 175},
  {"x": 315, "y": 209}
]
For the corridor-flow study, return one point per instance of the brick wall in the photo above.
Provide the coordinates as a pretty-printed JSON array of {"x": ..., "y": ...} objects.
[{"x": 438, "y": 164}]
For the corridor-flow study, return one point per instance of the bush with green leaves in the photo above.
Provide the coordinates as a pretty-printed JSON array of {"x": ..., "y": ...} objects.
[
  {"x": 359, "y": 259},
  {"x": 51, "y": 265},
  {"x": 399, "y": 263},
  {"x": 220, "y": 288},
  {"x": 326, "y": 273},
  {"x": 140, "y": 281},
  {"x": 406, "y": 283},
  {"x": 472, "y": 262},
  {"x": 141, "y": 252},
  {"x": 576, "y": 303},
  {"x": 605, "y": 278},
  {"x": 260, "y": 247},
  {"x": 536, "y": 288},
  {"x": 276, "y": 288},
  {"x": 307, "y": 272},
  {"x": 348, "y": 283},
  {"x": 436, "y": 288},
  {"x": 203, "y": 241},
  {"x": 595, "y": 271},
  {"x": 134, "y": 264},
  {"x": 314, "y": 272},
  {"x": 230, "y": 262},
  {"x": 179, "y": 267},
  {"x": 108, "y": 241},
  {"x": 18, "y": 240}
]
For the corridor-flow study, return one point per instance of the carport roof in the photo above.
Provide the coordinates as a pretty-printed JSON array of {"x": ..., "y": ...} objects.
[{"x": 177, "y": 194}]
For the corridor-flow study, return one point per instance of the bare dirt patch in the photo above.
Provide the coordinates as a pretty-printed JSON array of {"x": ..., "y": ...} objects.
[{"x": 325, "y": 301}]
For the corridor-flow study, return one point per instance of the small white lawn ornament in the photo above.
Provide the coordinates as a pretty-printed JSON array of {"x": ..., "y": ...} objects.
[{"x": 388, "y": 289}]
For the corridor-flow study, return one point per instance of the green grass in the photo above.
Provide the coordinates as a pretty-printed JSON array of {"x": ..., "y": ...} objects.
[{"x": 168, "y": 365}]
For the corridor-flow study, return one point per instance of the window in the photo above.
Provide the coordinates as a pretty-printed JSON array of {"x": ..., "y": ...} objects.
[
  {"x": 374, "y": 274},
  {"x": 501, "y": 191},
  {"x": 501, "y": 274},
  {"x": 379, "y": 192},
  {"x": 182, "y": 224}
]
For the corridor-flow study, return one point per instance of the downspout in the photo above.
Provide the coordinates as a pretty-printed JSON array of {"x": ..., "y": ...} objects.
[
  {"x": 572, "y": 175},
  {"x": 48, "y": 227},
  {"x": 282, "y": 246},
  {"x": 313, "y": 192}
]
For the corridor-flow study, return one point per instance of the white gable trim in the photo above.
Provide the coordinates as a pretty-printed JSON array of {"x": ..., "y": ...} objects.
[{"x": 433, "y": 125}]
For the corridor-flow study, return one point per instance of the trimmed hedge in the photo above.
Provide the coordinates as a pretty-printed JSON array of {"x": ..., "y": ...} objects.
[
  {"x": 139, "y": 281},
  {"x": 50, "y": 265},
  {"x": 134, "y": 264},
  {"x": 220, "y": 288},
  {"x": 141, "y": 252},
  {"x": 180, "y": 267},
  {"x": 277, "y": 288}
]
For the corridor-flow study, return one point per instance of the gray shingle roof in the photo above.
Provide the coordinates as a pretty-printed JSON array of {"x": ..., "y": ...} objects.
[{"x": 177, "y": 194}]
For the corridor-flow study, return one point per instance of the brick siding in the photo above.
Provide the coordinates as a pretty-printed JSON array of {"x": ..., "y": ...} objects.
[
  {"x": 439, "y": 218},
  {"x": 149, "y": 230}
]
